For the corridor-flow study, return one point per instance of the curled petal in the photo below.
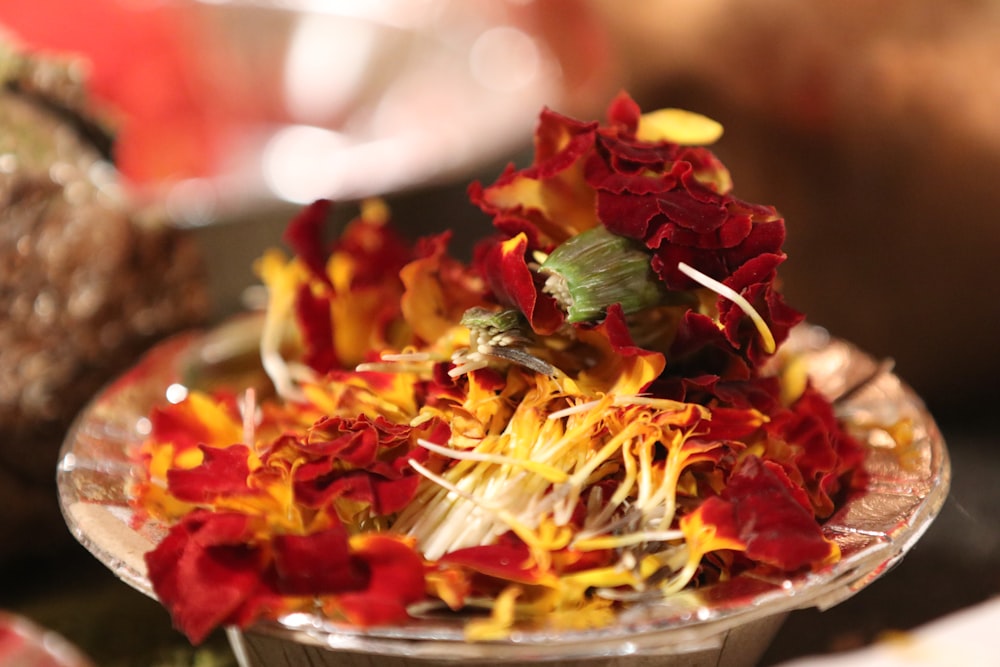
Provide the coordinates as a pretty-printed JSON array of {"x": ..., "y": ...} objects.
[
  {"x": 551, "y": 194},
  {"x": 438, "y": 289},
  {"x": 515, "y": 284},
  {"x": 754, "y": 281},
  {"x": 820, "y": 452}
]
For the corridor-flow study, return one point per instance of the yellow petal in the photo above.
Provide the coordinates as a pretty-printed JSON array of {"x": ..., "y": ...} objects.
[
  {"x": 500, "y": 621},
  {"x": 678, "y": 126}
]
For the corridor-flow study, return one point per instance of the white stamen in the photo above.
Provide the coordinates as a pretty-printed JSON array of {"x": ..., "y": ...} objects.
[
  {"x": 407, "y": 356},
  {"x": 573, "y": 410},
  {"x": 629, "y": 539},
  {"x": 469, "y": 365},
  {"x": 249, "y": 416},
  {"x": 548, "y": 472},
  {"x": 734, "y": 296},
  {"x": 620, "y": 400},
  {"x": 499, "y": 513}
]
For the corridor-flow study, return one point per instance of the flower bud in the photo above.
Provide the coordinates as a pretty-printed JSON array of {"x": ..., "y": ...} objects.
[{"x": 598, "y": 268}]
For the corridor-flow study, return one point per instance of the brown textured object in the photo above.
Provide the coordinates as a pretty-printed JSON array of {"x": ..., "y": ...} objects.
[{"x": 87, "y": 282}]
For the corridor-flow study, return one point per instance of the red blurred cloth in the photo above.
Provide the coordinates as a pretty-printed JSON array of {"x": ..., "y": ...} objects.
[{"x": 139, "y": 77}]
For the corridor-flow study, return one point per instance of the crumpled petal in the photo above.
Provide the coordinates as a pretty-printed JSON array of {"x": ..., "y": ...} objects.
[
  {"x": 205, "y": 573},
  {"x": 550, "y": 196},
  {"x": 763, "y": 514}
]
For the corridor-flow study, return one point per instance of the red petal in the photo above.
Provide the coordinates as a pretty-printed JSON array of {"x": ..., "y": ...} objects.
[
  {"x": 364, "y": 460},
  {"x": 560, "y": 141},
  {"x": 378, "y": 251},
  {"x": 508, "y": 559},
  {"x": 513, "y": 283},
  {"x": 317, "y": 564},
  {"x": 822, "y": 452},
  {"x": 627, "y": 214},
  {"x": 181, "y": 425},
  {"x": 700, "y": 348},
  {"x": 204, "y": 573},
  {"x": 223, "y": 472},
  {"x": 754, "y": 281},
  {"x": 681, "y": 208},
  {"x": 624, "y": 112}
]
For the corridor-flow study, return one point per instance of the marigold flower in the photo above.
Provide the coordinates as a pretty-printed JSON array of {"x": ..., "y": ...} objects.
[{"x": 583, "y": 416}]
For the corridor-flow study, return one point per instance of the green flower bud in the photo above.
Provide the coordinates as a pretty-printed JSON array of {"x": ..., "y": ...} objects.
[{"x": 596, "y": 269}]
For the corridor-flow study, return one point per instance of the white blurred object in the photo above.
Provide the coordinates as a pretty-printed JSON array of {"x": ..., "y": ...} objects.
[
  {"x": 25, "y": 644},
  {"x": 368, "y": 98},
  {"x": 967, "y": 637}
]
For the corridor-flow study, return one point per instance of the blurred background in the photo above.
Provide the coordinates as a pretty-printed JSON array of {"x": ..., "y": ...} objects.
[{"x": 872, "y": 127}]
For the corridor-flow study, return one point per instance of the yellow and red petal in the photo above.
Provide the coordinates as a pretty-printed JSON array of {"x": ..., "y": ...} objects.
[
  {"x": 395, "y": 580},
  {"x": 224, "y": 471},
  {"x": 438, "y": 289}
]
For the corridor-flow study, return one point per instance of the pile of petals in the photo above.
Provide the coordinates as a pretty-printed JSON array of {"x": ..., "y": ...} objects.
[{"x": 588, "y": 414}]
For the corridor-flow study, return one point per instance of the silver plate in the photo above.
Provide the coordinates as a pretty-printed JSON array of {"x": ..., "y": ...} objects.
[{"x": 907, "y": 487}]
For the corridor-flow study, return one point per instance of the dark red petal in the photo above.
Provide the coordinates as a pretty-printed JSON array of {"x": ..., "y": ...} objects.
[
  {"x": 754, "y": 281},
  {"x": 316, "y": 326},
  {"x": 626, "y": 214},
  {"x": 304, "y": 235},
  {"x": 701, "y": 217},
  {"x": 560, "y": 141},
  {"x": 774, "y": 519},
  {"x": 700, "y": 348}
]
